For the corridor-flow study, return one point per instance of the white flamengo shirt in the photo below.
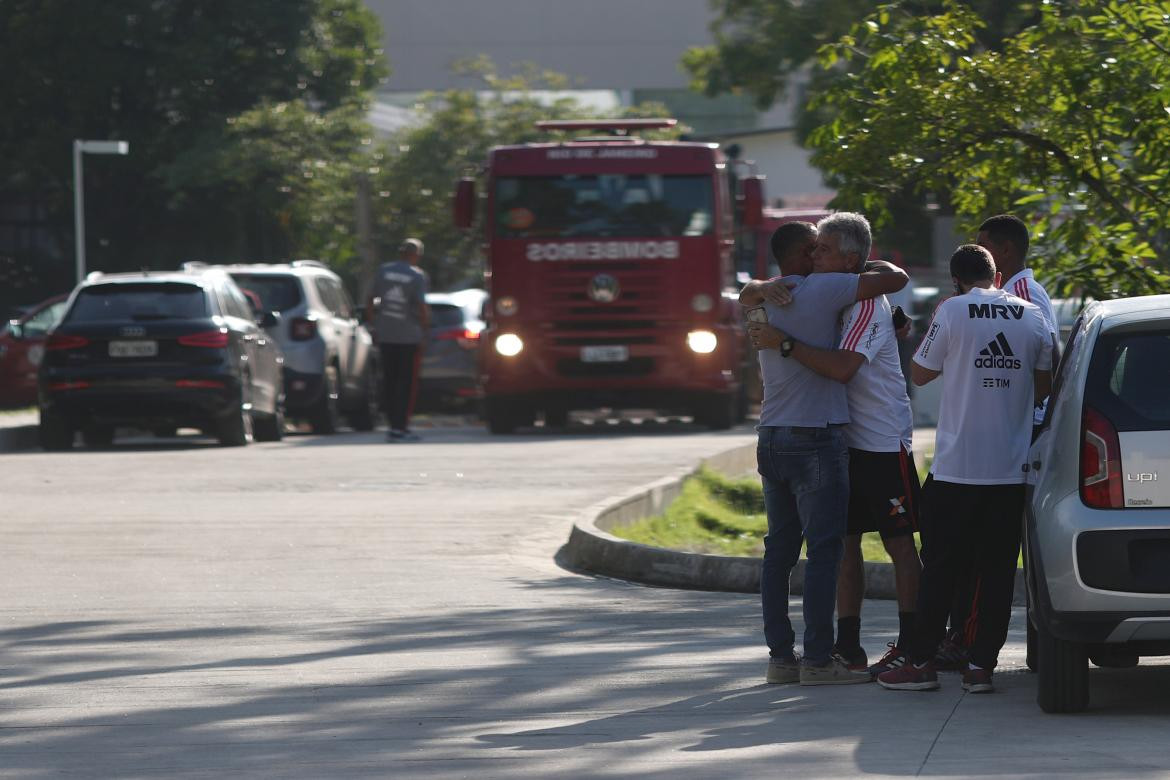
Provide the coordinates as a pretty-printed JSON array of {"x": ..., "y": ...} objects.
[
  {"x": 880, "y": 419},
  {"x": 1024, "y": 285},
  {"x": 986, "y": 343}
]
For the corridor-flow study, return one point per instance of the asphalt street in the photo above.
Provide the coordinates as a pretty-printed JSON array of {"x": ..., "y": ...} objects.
[{"x": 339, "y": 607}]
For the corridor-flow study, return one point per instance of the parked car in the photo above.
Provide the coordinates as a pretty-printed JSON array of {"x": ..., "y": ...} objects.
[
  {"x": 331, "y": 366},
  {"x": 450, "y": 373},
  {"x": 22, "y": 344},
  {"x": 1097, "y": 530},
  {"x": 160, "y": 351}
]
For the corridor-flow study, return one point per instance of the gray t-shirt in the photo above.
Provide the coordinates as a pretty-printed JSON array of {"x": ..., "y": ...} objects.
[
  {"x": 402, "y": 289},
  {"x": 795, "y": 395}
]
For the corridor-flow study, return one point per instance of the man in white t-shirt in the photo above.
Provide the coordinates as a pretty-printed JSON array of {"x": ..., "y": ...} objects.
[
  {"x": 883, "y": 482},
  {"x": 993, "y": 351}
]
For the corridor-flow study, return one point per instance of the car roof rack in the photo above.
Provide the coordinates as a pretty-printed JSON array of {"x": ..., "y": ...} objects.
[{"x": 309, "y": 264}]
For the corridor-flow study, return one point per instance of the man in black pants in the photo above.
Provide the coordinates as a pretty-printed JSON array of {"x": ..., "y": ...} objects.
[
  {"x": 398, "y": 308},
  {"x": 994, "y": 353}
]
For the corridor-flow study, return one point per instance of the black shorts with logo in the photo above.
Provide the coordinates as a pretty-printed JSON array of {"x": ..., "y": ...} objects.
[{"x": 883, "y": 493}]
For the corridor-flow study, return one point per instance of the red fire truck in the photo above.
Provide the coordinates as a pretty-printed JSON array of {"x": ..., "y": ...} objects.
[{"x": 610, "y": 269}]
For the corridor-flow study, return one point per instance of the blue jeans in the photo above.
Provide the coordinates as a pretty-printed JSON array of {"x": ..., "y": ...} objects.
[{"x": 805, "y": 472}]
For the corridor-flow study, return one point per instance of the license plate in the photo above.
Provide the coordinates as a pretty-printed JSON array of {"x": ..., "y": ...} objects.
[
  {"x": 614, "y": 354},
  {"x": 133, "y": 349}
]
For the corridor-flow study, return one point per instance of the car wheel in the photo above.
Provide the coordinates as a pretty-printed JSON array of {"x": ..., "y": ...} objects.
[
  {"x": 504, "y": 417},
  {"x": 717, "y": 412},
  {"x": 325, "y": 418},
  {"x": 365, "y": 417},
  {"x": 55, "y": 432},
  {"x": 1063, "y": 673},
  {"x": 97, "y": 436},
  {"x": 236, "y": 429}
]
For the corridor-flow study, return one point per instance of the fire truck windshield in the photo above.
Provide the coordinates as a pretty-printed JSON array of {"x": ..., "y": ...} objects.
[{"x": 630, "y": 205}]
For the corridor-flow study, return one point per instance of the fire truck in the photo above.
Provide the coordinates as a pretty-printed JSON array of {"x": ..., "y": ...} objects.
[{"x": 610, "y": 268}]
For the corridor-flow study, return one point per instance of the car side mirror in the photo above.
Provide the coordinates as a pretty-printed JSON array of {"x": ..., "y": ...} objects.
[
  {"x": 267, "y": 319},
  {"x": 16, "y": 329}
]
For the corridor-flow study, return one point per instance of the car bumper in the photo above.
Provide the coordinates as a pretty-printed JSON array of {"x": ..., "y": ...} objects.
[{"x": 195, "y": 401}]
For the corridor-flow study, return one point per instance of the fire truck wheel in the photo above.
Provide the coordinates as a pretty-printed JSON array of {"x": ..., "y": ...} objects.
[{"x": 717, "y": 411}]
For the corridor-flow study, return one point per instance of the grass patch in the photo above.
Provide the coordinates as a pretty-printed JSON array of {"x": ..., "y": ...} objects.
[{"x": 718, "y": 515}]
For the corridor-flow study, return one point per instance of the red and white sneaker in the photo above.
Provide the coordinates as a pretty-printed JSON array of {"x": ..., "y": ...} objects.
[
  {"x": 977, "y": 681},
  {"x": 893, "y": 659},
  {"x": 910, "y": 678}
]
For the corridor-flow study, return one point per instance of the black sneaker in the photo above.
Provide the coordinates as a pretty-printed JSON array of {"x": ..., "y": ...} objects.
[
  {"x": 893, "y": 659},
  {"x": 950, "y": 656},
  {"x": 855, "y": 659}
]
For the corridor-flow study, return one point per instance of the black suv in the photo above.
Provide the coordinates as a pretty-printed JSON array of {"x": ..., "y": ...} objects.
[{"x": 160, "y": 352}]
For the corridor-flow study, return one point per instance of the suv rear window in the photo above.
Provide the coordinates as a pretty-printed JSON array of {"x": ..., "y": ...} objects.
[
  {"x": 139, "y": 301},
  {"x": 1129, "y": 377},
  {"x": 445, "y": 315},
  {"x": 277, "y": 293}
]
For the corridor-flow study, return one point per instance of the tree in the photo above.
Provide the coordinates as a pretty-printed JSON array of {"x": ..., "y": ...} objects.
[
  {"x": 1066, "y": 125},
  {"x": 224, "y": 104},
  {"x": 414, "y": 174}
]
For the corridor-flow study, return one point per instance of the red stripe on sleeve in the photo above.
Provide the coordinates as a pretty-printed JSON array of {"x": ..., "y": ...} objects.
[
  {"x": 1022, "y": 290},
  {"x": 858, "y": 330}
]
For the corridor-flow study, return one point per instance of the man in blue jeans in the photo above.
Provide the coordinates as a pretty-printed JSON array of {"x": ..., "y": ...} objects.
[{"x": 801, "y": 455}]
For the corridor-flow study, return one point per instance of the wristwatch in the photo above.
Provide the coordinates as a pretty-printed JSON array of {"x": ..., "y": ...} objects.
[{"x": 786, "y": 346}]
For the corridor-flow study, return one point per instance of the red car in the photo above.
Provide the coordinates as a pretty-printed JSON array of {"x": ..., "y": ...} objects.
[{"x": 22, "y": 345}]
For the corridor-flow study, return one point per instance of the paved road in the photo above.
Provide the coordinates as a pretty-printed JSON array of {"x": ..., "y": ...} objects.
[{"x": 339, "y": 607}]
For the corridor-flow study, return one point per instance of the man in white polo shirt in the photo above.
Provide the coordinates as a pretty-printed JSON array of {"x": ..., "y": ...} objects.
[{"x": 994, "y": 353}]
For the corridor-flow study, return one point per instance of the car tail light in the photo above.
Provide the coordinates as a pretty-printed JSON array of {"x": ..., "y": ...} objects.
[
  {"x": 467, "y": 338},
  {"x": 1100, "y": 462},
  {"x": 303, "y": 328},
  {"x": 211, "y": 339},
  {"x": 199, "y": 384},
  {"x": 59, "y": 386},
  {"x": 66, "y": 341}
]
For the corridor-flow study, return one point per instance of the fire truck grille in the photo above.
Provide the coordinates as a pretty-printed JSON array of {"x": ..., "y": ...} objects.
[
  {"x": 634, "y": 367},
  {"x": 585, "y": 341}
]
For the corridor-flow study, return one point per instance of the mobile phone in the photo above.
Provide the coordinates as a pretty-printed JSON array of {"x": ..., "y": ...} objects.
[
  {"x": 900, "y": 318},
  {"x": 756, "y": 314}
]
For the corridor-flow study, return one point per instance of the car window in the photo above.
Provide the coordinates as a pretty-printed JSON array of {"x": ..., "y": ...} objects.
[
  {"x": 446, "y": 315},
  {"x": 329, "y": 298},
  {"x": 277, "y": 292},
  {"x": 139, "y": 301},
  {"x": 1128, "y": 377},
  {"x": 345, "y": 302},
  {"x": 1072, "y": 349},
  {"x": 40, "y": 323},
  {"x": 235, "y": 302}
]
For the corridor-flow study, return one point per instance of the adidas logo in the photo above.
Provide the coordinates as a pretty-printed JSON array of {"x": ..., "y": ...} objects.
[{"x": 997, "y": 354}]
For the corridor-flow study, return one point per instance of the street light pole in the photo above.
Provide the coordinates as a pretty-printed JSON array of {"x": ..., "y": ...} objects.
[{"x": 80, "y": 147}]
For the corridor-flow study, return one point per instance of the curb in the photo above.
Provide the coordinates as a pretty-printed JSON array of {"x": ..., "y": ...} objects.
[
  {"x": 19, "y": 437},
  {"x": 593, "y": 549}
]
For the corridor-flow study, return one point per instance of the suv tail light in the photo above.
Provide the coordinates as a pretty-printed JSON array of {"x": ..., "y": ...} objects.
[
  {"x": 1100, "y": 462},
  {"x": 303, "y": 328},
  {"x": 467, "y": 338},
  {"x": 66, "y": 341},
  {"x": 211, "y": 339}
]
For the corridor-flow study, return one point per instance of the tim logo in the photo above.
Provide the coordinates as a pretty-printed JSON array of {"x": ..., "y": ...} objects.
[
  {"x": 994, "y": 311},
  {"x": 997, "y": 354}
]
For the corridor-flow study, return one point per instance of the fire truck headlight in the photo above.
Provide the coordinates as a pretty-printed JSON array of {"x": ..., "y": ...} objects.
[
  {"x": 509, "y": 344},
  {"x": 702, "y": 341},
  {"x": 506, "y": 306},
  {"x": 702, "y": 302}
]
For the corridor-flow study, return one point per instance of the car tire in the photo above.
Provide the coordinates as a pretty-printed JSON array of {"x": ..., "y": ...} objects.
[
  {"x": 235, "y": 430},
  {"x": 55, "y": 433},
  {"x": 365, "y": 417},
  {"x": 504, "y": 417},
  {"x": 269, "y": 427},
  {"x": 1063, "y": 673},
  {"x": 717, "y": 412},
  {"x": 1031, "y": 658},
  {"x": 97, "y": 436},
  {"x": 326, "y": 418}
]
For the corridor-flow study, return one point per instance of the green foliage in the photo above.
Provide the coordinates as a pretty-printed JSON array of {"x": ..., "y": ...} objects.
[
  {"x": 1065, "y": 124},
  {"x": 230, "y": 109},
  {"x": 413, "y": 176}
]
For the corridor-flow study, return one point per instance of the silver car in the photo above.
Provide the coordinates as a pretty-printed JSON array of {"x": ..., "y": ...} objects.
[
  {"x": 1097, "y": 531},
  {"x": 450, "y": 368},
  {"x": 331, "y": 365}
]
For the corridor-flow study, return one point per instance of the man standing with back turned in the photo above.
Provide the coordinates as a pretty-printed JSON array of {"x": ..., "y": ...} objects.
[
  {"x": 801, "y": 453},
  {"x": 398, "y": 305},
  {"x": 994, "y": 353}
]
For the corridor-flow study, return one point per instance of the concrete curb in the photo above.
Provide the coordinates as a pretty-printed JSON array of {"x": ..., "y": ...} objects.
[{"x": 593, "y": 549}]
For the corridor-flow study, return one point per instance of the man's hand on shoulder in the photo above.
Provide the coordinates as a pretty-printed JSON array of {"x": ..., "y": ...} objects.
[
  {"x": 880, "y": 278},
  {"x": 775, "y": 291}
]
